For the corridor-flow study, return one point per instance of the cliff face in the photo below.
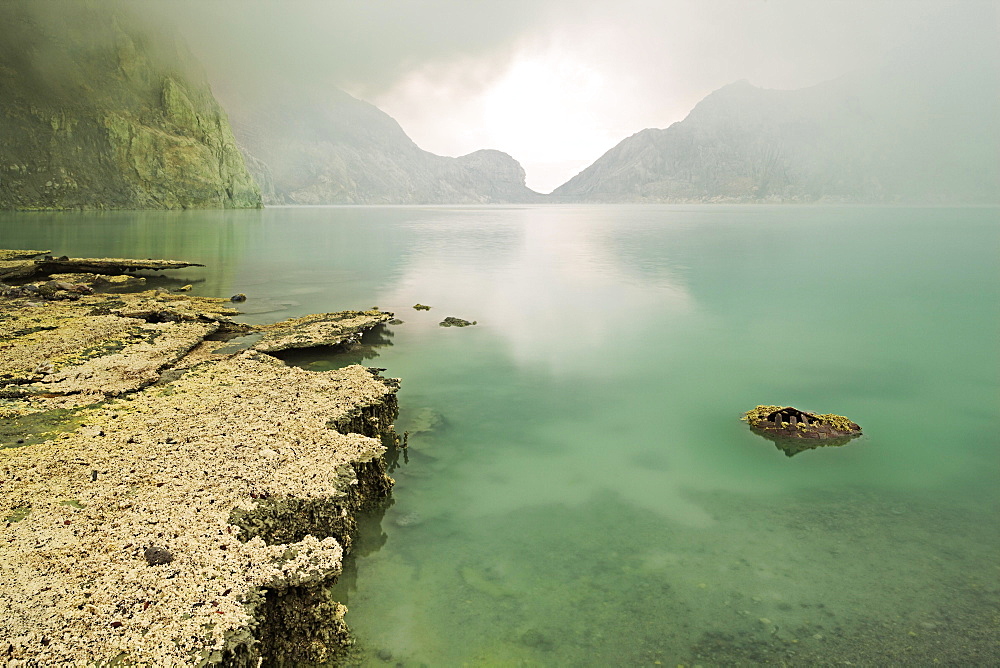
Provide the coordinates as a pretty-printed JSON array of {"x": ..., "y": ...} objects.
[
  {"x": 924, "y": 127},
  {"x": 330, "y": 148},
  {"x": 99, "y": 113}
]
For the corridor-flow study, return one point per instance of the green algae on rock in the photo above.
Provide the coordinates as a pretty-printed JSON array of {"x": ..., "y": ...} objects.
[
  {"x": 451, "y": 321},
  {"x": 793, "y": 430}
]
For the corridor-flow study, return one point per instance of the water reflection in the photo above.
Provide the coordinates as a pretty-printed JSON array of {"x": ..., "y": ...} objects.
[
  {"x": 794, "y": 446},
  {"x": 219, "y": 239},
  {"x": 549, "y": 288}
]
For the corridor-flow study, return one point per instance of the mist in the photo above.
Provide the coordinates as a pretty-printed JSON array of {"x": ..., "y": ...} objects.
[{"x": 554, "y": 83}]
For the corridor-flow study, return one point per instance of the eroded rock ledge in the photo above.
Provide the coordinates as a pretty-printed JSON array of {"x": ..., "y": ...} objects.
[
  {"x": 237, "y": 477},
  {"x": 30, "y": 264}
]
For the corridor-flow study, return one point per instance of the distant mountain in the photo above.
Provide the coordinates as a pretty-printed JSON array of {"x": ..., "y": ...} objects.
[
  {"x": 331, "y": 148},
  {"x": 96, "y": 112},
  {"x": 925, "y": 128}
]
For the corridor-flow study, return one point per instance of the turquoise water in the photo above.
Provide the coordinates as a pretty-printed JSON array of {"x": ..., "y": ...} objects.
[{"x": 578, "y": 488}]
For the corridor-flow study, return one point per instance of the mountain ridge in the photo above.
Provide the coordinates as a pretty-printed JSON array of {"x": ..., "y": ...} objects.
[
  {"x": 327, "y": 147},
  {"x": 908, "y": 131}
]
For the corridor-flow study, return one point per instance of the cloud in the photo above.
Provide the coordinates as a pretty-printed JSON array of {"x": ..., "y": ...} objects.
[
  {"x": 365, "y": 47},
  {"x": 440, "y": 67}
]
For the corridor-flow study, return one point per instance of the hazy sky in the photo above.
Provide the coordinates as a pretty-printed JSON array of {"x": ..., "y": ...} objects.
[{"x": 554, "y": 83}]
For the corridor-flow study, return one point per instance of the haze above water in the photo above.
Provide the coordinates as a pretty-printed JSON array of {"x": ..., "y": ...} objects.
[{"x": 578, "y": 487}]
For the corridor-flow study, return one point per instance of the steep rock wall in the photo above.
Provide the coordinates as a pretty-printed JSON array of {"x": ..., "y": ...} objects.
[{"x": 98, "y": 112}]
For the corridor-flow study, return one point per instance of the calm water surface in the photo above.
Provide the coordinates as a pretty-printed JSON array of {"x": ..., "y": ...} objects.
[{"x": 578, "y": 488}]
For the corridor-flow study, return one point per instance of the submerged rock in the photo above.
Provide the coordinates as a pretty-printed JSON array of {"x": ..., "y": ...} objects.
[
  {"x": 793, "y": 430},
  {"x": 410, "y": 519},
  {"x": 424, "y": 420}
]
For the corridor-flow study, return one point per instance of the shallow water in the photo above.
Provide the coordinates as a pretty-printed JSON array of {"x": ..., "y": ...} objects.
[{"x": 578, "y": 488}]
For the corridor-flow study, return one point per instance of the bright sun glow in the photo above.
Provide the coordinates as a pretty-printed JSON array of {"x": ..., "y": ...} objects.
[{"x": 549, "y": 110}]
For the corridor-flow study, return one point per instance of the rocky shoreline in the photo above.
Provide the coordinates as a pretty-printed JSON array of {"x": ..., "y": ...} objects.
[{"x": 171, "y": 495}]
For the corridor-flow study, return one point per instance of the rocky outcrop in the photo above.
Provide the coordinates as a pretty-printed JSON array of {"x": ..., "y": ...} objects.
[
  {"x": 98, "y": 112},
  {"x": 452, "y": 321},
  {"x": 39, "y": 264},
  {"x": 331, "y": 148},
  {"x": 173, "y": 499},
  {"x": 793, "y": 431}
]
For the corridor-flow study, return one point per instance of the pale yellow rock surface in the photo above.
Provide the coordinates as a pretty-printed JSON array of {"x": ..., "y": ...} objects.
[
  {"x": 148, "y": 435},
  {"x": 172, "y": 463},
  {"x": 323, "y": 329}
]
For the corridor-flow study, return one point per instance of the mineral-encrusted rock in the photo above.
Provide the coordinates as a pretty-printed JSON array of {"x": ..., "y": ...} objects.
[
  {"x": 178, "y": 465},
  {"x": 793, "y": 430},
  {"x": 17, "y": 264},
  {"x": 158, "y": 481},
  {"x": 101, "y": 345},
  {"x": 324, "y": 329},
  {"x": 20, "y": 254},
  {"x": 106, "y": 266}
]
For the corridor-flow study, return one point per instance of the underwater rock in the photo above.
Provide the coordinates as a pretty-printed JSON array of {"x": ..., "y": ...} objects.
[
  {"x": 536, "y": 639},
  {"x": 793, "y": 430},
  {"x": 424, "y": 420},
  {"x": 410, "y": 519},
  {"x": 455, "y": 322}
]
